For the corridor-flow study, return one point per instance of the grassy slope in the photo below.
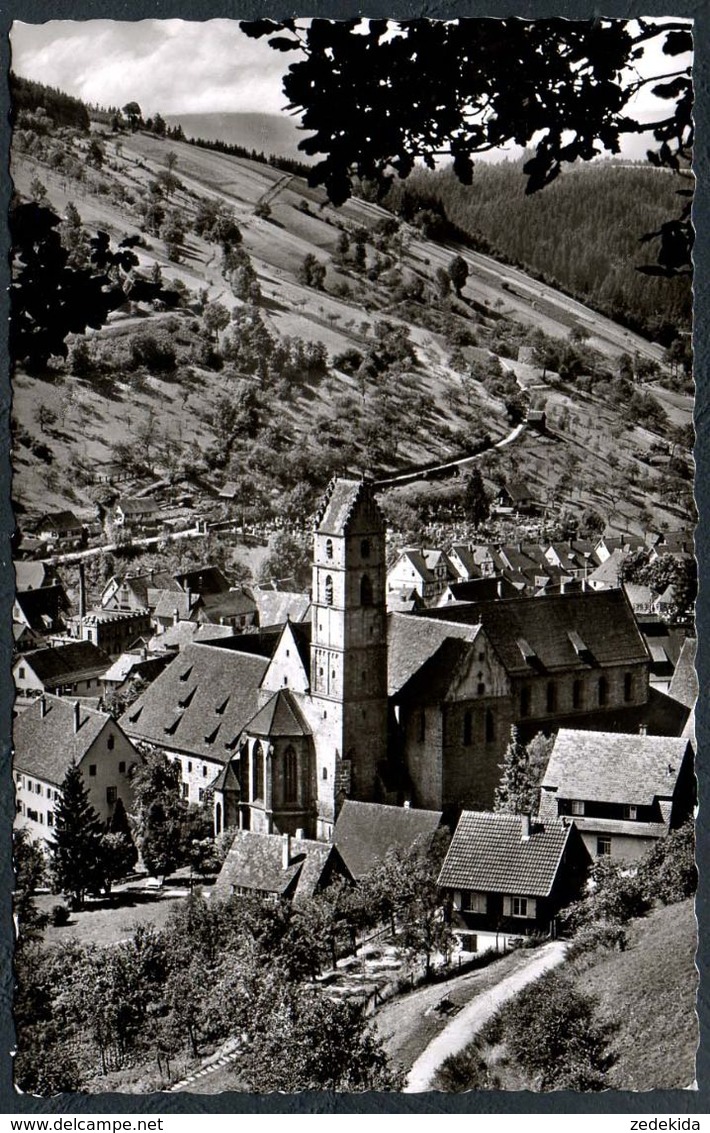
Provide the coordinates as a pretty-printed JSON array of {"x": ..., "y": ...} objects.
[
  {"x": 91, "y": 423},
  {"x": 649, "y": 991}
]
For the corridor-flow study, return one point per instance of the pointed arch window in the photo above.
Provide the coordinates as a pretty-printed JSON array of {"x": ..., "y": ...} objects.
[
  {"x": 328, "y": 590},
  {"x": 258, "y": 757},
  {"x": 365, "y": 591},
  {"x": 290, "y": 775},
  {"x": 329, "y": 548}
]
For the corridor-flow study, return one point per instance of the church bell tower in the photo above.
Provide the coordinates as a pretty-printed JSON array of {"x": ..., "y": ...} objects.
[{"x": 348, "y": 699}]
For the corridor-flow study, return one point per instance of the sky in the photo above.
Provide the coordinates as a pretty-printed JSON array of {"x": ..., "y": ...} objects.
[{"x": 176, "y": 66}]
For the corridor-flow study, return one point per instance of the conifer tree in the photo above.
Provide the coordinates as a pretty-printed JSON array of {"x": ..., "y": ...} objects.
[
  {"x": 77, "y": 858},
  {"x": 516, "y": 793}
]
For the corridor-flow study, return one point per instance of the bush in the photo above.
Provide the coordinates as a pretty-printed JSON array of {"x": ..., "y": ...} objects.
[
  {"x": 552, "y": 1034},
  {"x": 594, "y": 936},
  {"x": 466, "y": 1070},
  {"x": 668, "y": 872},
  {"x": 59, "y": 916}
]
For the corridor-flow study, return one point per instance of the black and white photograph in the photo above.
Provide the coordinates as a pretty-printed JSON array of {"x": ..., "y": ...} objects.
[{"x": 354, "y": 627}]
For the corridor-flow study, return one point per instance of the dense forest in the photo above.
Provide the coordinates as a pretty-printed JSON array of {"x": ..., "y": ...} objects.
[
  {"x": 582, "y": 234},
  {"x": 29, "y": 97}
]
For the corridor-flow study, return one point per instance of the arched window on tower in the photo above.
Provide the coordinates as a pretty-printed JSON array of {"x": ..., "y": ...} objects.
[
  {"x": 290, "y": 775},
  {"x": 329, "y": 548},
  {"x": 365, "y": 590},
  {"x": 328, "y": 590}
]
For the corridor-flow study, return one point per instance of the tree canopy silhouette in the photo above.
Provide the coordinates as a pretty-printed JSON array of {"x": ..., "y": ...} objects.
[
  {"x": 50, "y": 299},
  {"x": 379, "y": 96}
]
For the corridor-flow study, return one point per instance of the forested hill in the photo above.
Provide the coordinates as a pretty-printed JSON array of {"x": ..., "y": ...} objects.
[
  {"x": 582, "y": 234},
  {"x": 29, "y": 98}
]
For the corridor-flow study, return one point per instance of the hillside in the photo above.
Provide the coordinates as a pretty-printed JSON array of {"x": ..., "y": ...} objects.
[
  {"x": 366, "y": 364},
  {"x": 651, "y": 1001}
]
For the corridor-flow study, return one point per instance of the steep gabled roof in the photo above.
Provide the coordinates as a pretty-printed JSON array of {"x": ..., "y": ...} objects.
[
  {"x": 200, "y": 703},
  {"x": 280, "y": 716},
  {"x": 63, "y": 664},
  {"x": 339, "y": 503},
  {"x": 276, "y": 606},
  {"x": 254, "y": 861},
  {"x": 46, "y": 745},
  {"x": 30, "y": 574},
  {"x": 203, "y": 580},
  {"x": 602, "y": 620},
  {"x": 432, "y": 682},
  {"x": 42, "y": 607},
  {"x": 366, "y": 832},
  {"x": 228, "y": 604},
  {"x": 59, "y": 520},
  {"x": 412, "y": 640},
  {"x": 488, "y": 854},
  {"x": 611, "y": 767},
  {"x": 132, "y": 506}
]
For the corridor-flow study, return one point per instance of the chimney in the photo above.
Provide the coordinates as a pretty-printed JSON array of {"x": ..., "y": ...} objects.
[
  {"x": 43, "y": 706},
  {"x": 188, "y": 597},
  {"x": 82, "y": 591},
  {"x": 299, "y": 834},
  {"x": 643, "y": 729},
  {"x": 407, "y": 804},
  {"x": 499, "y": 588},
  {"x": 525, "y": 827},
  {"x": 176, "y": 616},
  {"x": 285, "y": 851},
  {"x": 75, "y": 711}
]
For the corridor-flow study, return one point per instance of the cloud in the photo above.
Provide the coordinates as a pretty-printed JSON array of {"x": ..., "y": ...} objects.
[{"x": 171, "y": 66}]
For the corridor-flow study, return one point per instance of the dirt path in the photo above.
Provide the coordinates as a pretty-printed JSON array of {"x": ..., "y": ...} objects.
[{"x": 471, "y": 1018}]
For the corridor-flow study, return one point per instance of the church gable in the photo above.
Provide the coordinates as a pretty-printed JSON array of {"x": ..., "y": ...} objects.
[
  {"x": 479, "y": 673},
  {"x": 286, "y": 668}
]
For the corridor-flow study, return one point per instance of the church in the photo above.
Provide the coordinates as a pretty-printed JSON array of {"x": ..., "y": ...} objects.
[{"x": 276, "y": 729}]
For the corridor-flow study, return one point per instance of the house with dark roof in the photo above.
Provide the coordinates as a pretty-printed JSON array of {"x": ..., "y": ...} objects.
[
  {"x": 365, "y": 833},
  {"x": 622, "y": 791},
  {"x": 130, "y": 591},
  {"x": 516, "y": 496},
  {"x": 73, "y": 669},
  {"x": 47, "y": 738},
  {"x": 196, "y": 711},
  {"x": 277, "y": 866},
  {"x": 43, "y": 609},
  {"x": 463, "y": 562},
  {"x": 60, "y": 527},
  {"x": 236, "y": 608},
  {"x": 274, "y": 607},
  {"x": 509, "y": 875}
]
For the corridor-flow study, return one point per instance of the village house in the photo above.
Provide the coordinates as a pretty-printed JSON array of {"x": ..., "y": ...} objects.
[
  {"x": 425, "y": 571},
  {"x": 463, "y": 562},
  {"x": 623, "y": 792},
  {"x": 51, "y": 735},
  {"x": 516, "y": 497},
  {"x": 508, "y": 876},
  {"x": 73, "y": 669},
  {"x": 278, "y": 866},
  {"x": 114, "y": 630},
  {"x": 60, "y": 528},
  {"x": 130, "y": 591},
  {"x": 42, "y": 610},
  {"x": 143, "y": 512}
]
